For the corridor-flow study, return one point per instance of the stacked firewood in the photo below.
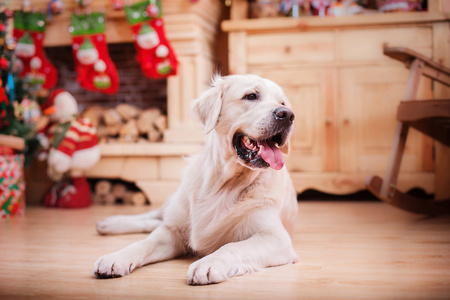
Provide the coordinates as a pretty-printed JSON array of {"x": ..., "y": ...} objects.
[
  {"x": 127, "y": 123},
  {"x": 106, "y": 193}
]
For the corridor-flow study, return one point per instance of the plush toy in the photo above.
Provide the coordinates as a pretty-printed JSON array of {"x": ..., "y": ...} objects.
[{"x": 72, "y": 149}]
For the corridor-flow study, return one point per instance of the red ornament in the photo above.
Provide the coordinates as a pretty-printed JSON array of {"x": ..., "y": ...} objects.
[
  {"x": 117, "y": 4},
  {"x": 9, "y": 13},
  {"x": 153, "y": 10},
  {"x": 4, "y": 63}
]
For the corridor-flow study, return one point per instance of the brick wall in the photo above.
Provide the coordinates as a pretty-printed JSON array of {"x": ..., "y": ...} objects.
[{"x": 134, "y": 87}]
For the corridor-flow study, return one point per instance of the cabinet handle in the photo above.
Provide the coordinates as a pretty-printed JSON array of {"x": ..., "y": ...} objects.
[
  {"x": 346, "y": 120},
  {"x": 329, "y": 121}
]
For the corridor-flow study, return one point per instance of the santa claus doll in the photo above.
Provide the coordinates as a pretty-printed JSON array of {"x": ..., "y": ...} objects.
[{"x": 72, "y": 145}]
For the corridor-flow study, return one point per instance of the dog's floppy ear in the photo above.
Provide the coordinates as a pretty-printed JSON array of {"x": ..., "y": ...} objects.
[{"x": 207, "y": 107}]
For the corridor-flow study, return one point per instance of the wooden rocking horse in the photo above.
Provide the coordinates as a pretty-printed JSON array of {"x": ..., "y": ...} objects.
[{"x": 431, "y": 117}]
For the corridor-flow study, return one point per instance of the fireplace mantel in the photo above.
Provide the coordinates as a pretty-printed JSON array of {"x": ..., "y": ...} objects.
[{"x": 191, "y": 28}]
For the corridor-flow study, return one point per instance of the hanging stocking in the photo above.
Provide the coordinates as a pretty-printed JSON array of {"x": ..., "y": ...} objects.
[
  {"x": 29, "y": 28},
  {"x": 95, "y": 69},
  {"x": 154, "y": 53}
]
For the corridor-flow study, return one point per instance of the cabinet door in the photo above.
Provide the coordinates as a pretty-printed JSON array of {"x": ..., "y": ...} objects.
[
  {"x": 368, "y": 105},
  {"x": 314, "y": 140}
]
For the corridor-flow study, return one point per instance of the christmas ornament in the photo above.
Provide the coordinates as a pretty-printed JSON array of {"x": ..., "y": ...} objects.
[
  {"x": 117, "y": 4},
  {"x": 95, "y": 69},
  {"x": 4, "y": 63},
  {"x": 153, "y": 10},
  {"x": 154, "y": 53},
  {"x": 320, "y": 7},
  {"x": 72, "y": 146},
  {"x": 4, "y": 107},
  {"x": 28, "y": 33},
  {"x": 55, "y": 7},
  {"x": 399, "y": 5}
]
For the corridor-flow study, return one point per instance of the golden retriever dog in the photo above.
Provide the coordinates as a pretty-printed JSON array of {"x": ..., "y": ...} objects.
[{"x": 236, "y": 205}]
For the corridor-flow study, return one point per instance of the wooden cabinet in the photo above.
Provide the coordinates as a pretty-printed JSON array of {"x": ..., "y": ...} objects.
[
  {"x": 344, "y": 91},
  {"x": 314, "y": 140},
  {"x": 368, "y": 105}
]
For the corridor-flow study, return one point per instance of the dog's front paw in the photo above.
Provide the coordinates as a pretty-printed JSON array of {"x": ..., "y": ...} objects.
[
  {"x": 111, "y": 225},
  {"x": 113, "y": 265},
  {"x": 210, "y": 270}
]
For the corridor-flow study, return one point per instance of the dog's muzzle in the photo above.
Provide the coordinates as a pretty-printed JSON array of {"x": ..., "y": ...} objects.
[{"x": 264, "y": 151}]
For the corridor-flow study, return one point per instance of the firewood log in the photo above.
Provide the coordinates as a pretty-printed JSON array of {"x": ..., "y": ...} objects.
[
  {"x": 112, "y": 117},
  {"x": 127, "y": 197},
  {"x": 103, "y": 187},
  {"x": 113, "y": 130},
  {"x": 127, "y": 111},
  {"x": 95, "y": 114},
  {"x": 129, "y": 132},
  {"x": 138, "y": 199},
  {"x": 107, "y": 199},
  {"x": 119, "y": 190},
  {"x": 146, "y": 119},
  {"x": 161, "y": 123},
  {"x": 154, "y": 135}
]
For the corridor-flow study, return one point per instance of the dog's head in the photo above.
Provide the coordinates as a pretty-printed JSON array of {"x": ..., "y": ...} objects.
[{"x": 253, "y": 115}]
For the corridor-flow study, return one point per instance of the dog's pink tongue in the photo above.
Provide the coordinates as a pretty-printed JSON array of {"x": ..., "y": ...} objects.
[{"x": 271, "y": 155}]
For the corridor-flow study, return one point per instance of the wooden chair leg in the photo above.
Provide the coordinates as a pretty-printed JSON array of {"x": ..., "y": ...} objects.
[
  {"x": 401, "y": 132},
  {"x": 395, "y": 160},
  {"x": 408, "y": 202}
]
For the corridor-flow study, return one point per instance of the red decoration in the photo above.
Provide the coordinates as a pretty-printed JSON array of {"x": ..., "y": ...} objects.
[{"x": 4, "y": 63}]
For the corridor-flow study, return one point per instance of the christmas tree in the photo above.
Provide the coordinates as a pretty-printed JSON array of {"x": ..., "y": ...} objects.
[{"x": 15, "y": 93}]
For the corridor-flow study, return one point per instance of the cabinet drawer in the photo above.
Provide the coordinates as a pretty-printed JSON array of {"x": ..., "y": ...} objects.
[
  {"x": 290, "y": 48},
  {"x": 367, "y": 44}
]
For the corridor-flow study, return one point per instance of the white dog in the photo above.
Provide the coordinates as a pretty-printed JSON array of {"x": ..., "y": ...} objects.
[{"x": 236, "y": 205}]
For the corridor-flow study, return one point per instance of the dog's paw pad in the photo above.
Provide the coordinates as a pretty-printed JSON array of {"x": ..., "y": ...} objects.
[
  {"x": 206, "y": 271},
  {"x": 109, "y": 225},
  {"x": 110, "y": 266}
]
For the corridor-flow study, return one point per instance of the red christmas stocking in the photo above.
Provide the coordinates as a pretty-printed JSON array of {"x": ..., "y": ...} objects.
[
  {"x": 29, "y": 28},
  {"x": 154, "y": 53},
  {"x": 95, "y": 69}
]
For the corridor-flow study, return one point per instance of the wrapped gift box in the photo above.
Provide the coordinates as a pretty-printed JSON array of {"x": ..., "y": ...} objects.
[{"x": 12, "y": 185}]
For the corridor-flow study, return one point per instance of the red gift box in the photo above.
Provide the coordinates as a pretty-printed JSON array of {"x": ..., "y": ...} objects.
[{"x": 12, "y": 185}]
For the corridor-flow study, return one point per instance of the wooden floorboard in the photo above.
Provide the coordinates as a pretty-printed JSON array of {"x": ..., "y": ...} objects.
[{"x": 348, "y": 250}]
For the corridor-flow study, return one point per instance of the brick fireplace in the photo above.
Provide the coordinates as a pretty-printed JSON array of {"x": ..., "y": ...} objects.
[{"x": 134, "y": 88}]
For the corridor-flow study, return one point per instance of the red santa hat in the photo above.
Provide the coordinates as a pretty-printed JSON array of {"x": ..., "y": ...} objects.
[{"x": 48, "y": 107}]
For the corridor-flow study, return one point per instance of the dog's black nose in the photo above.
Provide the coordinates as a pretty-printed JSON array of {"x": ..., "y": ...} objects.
[{"x": 283, "y": 114}]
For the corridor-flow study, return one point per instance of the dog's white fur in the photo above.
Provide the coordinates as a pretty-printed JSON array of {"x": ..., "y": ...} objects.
[{"x": 238, "y": 218}]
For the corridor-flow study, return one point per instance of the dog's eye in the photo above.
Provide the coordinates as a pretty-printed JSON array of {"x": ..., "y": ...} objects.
[{"x": 251, "y": 96}]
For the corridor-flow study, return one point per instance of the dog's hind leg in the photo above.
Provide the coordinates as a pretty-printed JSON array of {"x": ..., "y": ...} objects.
[
  {"x": 162, "y": 244},
  {"x": 120, "y": 224}
]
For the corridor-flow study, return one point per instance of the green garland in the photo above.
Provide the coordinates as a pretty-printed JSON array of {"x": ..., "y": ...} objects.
[
  {"x": 25, "y": 20},
  {"x": 84, "y": 24},
  {"x": 137, "y": 12}
]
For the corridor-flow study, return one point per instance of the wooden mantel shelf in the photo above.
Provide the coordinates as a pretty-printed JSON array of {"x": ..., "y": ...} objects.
[
  {"x": 310, "y": 23},
  {"x": 155, "y": 168},
  {"x": 184, "y": 20}
]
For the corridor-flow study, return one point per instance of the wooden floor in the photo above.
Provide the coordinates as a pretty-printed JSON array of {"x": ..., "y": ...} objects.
[{"x": 348, "y": 250}]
